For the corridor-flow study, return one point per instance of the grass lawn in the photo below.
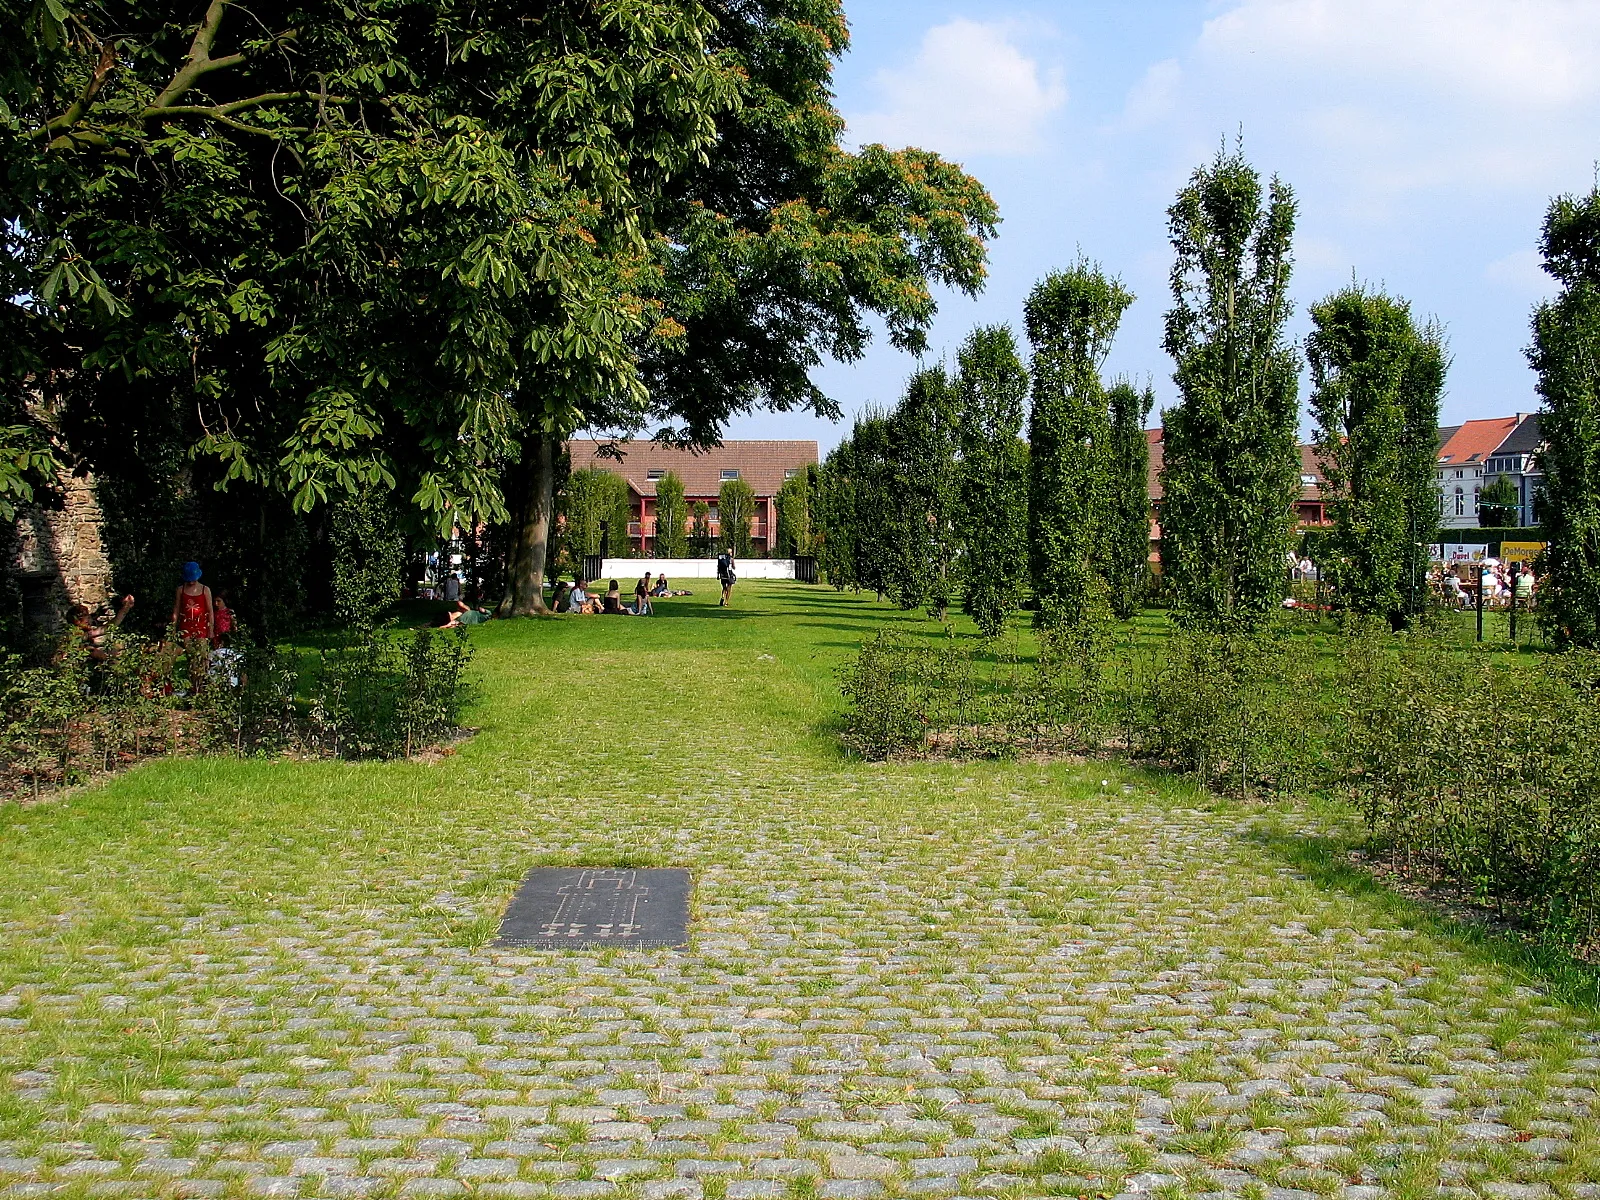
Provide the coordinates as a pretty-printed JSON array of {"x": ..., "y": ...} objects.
[{"x": 224, "y": 978}]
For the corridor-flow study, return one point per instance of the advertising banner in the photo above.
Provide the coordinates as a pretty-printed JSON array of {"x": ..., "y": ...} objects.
[{"x": 1520, "y": 551}]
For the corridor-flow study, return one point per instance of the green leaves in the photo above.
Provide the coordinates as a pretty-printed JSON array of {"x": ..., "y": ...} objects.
[
  {"x": 26, "y": 461},
  {"x": 1072, "y": 317},
  {"x": 1376, "y": 400},
  {"x": 1231, "y": 457},
  {"x": 72, "y": 279}
]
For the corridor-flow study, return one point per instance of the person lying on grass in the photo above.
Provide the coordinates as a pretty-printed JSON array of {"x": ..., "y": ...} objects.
[{"x": 461, "y": 615}]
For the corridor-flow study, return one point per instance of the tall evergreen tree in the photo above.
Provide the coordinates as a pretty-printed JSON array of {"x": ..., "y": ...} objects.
[
  {"x": 794, "y": 516},
  {"x": 1566, "y": 354},
  {"x": 672, "y": 517},
  {"x": 1376, "y": 401},
  {"x": 876, "y": 506},
  {"x": 923, "y": 432},
  {"x": 1421, "y": 391},
  {"x": 992, "y": 513},
  {"x": 834, "y": 513},
  {"x": 1231, "y": 474},
  {"x": 1126, "y": 540},
  {"x": 736, "y": 511},
  {"x": 1071, "y": 317}
]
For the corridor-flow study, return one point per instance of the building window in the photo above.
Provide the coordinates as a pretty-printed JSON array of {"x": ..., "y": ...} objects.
[
  {"x": 1461, "y": 503},
  {"x": 1475, "y": 492},
  {"x": 729, "y": 473},
  {"x": 711, "y": 515},
  {"x": 1308, "y": 480},
  {"x": 790, "y": 472},
  {"x": 655, "y": 473}
]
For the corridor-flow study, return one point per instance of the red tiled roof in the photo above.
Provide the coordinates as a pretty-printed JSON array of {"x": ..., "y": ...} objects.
[
  {"x": 1475, "y": 441},
  {"x": 761, "y": 464}
]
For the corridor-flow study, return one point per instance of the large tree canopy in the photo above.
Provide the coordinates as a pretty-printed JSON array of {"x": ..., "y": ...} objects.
[{"x": 413, "y": 243}]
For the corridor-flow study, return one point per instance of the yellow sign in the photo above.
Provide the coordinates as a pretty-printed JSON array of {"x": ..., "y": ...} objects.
[{"x": 1520, "y": 551}]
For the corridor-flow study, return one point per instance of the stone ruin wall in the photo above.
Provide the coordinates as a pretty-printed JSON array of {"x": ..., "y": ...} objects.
[{"x": 62, "y": 557}]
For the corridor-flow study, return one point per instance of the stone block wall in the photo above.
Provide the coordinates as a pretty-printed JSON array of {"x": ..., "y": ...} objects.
[{"x": 62, "y": 558}]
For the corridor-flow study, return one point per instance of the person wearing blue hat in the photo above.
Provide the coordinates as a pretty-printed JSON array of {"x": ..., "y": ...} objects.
[{"x": 192, "y": 610}]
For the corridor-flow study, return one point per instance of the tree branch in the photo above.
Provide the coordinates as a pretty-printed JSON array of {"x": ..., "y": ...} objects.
[{"x": 199, "y": 59}]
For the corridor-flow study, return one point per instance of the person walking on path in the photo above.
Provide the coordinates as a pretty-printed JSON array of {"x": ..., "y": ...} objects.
[
  {"x": 193, "y": 613},
  {"x": 726, "y": 576}
]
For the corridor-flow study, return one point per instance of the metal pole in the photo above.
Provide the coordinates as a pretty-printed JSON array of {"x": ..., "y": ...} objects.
[
  {"x": 1481, "y": 590},
  {"x": 1514, "y": 574}
]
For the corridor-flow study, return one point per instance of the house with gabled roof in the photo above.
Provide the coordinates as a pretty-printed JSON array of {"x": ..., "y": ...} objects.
[
  {"x": 764, "y": 465},
  {"x": 1464, "y": 466}
]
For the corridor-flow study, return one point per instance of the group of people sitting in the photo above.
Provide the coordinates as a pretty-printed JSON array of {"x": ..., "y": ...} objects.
[
  {"x": 1500, "y": 583},
  {"x": 578, "y": 598}
]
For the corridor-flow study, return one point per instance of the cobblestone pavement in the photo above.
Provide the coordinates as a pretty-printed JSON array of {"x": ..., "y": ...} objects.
[{"x": 905, "y": 981}]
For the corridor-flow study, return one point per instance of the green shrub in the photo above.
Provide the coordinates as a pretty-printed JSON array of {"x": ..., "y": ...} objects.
[
  {"x": 886, "y": 689},
  {"x": 381, "y": 697}
]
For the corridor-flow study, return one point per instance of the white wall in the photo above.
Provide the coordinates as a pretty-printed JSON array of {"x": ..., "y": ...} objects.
[{"x": 696, "y": 568}]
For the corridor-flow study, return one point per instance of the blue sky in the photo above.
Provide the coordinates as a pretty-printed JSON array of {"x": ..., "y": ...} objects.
[{"x": 1423, "y": 139}]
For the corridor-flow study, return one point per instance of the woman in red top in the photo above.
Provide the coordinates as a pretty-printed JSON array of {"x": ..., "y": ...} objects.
[{"x": 192, "y": 611}]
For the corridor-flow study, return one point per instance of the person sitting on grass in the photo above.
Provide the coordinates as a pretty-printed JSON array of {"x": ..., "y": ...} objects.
[
  {"x": 81, "y": 623},
  {"x": 582, "y": 601},
  {"x": 661, "y": 588},
  {"x": 559, "y": 597},
  {"x": 613, "y": 601},
  {"x": 461, "y": 616},
  {"x": 641, "y": 598}
]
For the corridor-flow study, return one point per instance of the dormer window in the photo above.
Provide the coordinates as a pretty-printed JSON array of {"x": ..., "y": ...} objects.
[
  {"x": 729, "y": 473},
  {"x": 655, "y": 473}
]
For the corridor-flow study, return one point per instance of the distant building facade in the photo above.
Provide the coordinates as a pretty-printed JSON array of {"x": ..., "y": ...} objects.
[
  {"x": 764, "y": 465},
  {"x": 1473, "y": 454}
]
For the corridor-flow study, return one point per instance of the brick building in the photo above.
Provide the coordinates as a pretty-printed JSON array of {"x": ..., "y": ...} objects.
[{"x": 764, "y": 465}]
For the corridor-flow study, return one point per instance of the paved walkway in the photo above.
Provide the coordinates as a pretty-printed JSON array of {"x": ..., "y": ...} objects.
[{"x": 905, "y": 981}]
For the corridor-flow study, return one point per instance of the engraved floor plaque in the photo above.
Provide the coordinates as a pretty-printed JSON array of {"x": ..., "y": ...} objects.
[{"x": 576, "y": 907}]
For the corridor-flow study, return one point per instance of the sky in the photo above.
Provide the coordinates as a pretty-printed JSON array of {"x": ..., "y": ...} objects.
[{"x": 1423, "y": 140}]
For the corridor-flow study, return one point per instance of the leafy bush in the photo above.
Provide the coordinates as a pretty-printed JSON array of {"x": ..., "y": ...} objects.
[
  {"x": 1480, "y": 771},
  {"x": 380, "y": 697}
]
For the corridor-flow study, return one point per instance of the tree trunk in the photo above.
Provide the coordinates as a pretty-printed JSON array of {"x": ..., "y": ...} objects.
[{"x": 531, "y": 532}]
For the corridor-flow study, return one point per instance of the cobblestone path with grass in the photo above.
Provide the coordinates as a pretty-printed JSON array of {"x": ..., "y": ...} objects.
[{"x": 250, "y": 979}]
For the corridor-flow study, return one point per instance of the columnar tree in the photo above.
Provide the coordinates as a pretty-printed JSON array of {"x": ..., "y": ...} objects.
[
  {"x": 1125, "y": 544},
  {"x": 1376, "y": 401},
  {"x": 1071, "y": 318},
  {"x": 736, "y": 509},
  {"x": 834, "y": 513},
  {"x": 794, "y": 516},
  {"x": 672, "y": 515},
  {"x": 921, "y": 532},
  {"x": 1566, "y": 354},
  {"x": 700, "y": 521},
  {"x": 594, "y": 497},
  {"x": 992, "y": 513},
  {"x": 1231, "y": 473}
]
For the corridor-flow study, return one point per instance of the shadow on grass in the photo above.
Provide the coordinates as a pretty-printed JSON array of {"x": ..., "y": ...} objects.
[{"x": 1547, "y": 967}]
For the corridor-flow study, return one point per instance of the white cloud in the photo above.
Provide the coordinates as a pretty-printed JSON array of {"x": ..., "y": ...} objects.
[
  {"x": 969, "y": 90},
  {"x": 1154, "y": 97},
  {"x": 1404, "y": 95},
  {"x": 1526, "y": 54}
]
